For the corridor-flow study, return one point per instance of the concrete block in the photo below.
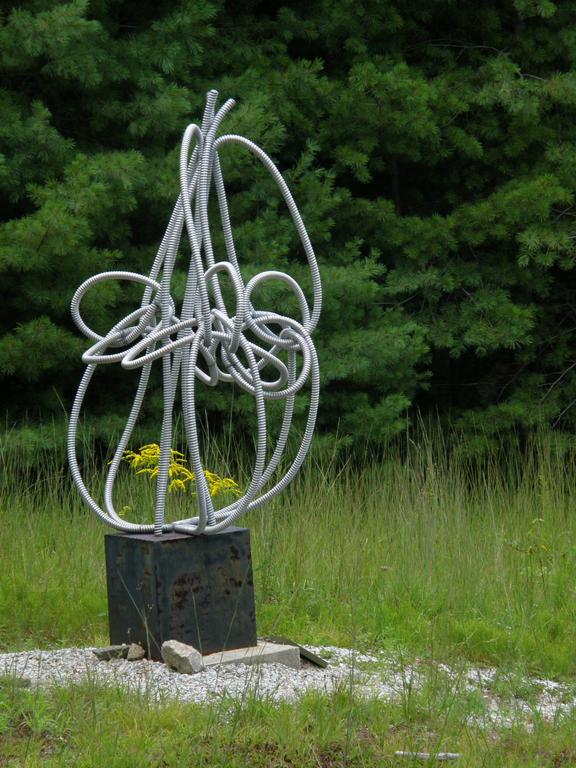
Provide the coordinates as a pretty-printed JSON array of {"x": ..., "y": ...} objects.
[{"x": 263, "y": 653}]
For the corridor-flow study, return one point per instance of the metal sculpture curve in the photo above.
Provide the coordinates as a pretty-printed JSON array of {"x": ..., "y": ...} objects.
[{"x": 202, "y": 342}]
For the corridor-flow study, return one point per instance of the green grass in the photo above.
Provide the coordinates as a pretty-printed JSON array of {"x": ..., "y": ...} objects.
[
  {"x": 424, "y": 553},
  {"x": 91, "y": 726},
  {"x": 422, "y": 549}
]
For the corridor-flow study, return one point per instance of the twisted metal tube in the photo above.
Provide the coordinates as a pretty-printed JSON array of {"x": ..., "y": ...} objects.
[{"x": 202, "y": 342}]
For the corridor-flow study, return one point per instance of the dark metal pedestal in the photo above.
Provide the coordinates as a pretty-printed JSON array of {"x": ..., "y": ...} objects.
[{"x": 195, "y": 589}]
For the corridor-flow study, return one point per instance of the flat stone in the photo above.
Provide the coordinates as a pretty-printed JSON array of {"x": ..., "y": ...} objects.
[
  {"x": 111, "y": 652},
  {"x": 263, "y": 653},
  {"x": 135, "y": 652},
  {"x": 305, "y": 653},
  {"x": 181, "y": 657}
]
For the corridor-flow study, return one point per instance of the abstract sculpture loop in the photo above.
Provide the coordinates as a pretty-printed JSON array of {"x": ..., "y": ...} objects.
[{"x": 204, "y": 339}]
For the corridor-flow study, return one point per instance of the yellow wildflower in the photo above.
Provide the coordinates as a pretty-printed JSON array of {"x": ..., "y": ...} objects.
[{"x": 146, "y": 460}]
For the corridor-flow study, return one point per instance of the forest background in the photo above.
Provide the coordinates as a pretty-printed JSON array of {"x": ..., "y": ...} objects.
[{"x": 431, "y": 147}]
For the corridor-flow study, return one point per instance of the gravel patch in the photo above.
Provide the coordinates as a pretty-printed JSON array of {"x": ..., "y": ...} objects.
[
  {"x": 273, "y": 681},
  {"x": 497, "y": 700}
]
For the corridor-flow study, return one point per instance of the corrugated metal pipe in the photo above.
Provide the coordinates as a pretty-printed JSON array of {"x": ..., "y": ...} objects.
[{"x": 202, "y": 342}]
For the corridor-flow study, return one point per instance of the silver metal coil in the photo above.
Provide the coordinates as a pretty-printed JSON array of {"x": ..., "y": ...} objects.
[{"x": 203, "y": 340}]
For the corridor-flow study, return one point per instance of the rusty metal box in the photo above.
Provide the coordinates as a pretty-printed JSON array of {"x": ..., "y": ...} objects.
[{"x": 195, "y": 589}]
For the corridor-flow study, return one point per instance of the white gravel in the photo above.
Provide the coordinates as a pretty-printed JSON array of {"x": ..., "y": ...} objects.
[
  {"x": 497, "y": 699},
  {"x": 273, "y": 681}
]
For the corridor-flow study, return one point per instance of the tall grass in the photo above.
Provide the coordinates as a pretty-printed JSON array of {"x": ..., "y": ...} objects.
[
  {"x": 422, "y": 548},
  {"x": 92, "y": 726}
]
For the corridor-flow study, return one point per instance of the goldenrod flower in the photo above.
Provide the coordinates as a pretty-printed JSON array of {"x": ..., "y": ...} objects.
[{"x": 146, "y": 460}]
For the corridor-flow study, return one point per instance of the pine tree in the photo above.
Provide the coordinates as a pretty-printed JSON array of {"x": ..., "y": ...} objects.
[{"x": 430, "y": 146}]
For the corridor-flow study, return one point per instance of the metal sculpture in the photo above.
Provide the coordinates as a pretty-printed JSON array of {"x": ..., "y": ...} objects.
[{"x": 202, "y": 341}]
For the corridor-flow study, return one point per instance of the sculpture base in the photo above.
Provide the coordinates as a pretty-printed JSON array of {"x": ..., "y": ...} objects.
[{"x": 195, "y": 589}]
